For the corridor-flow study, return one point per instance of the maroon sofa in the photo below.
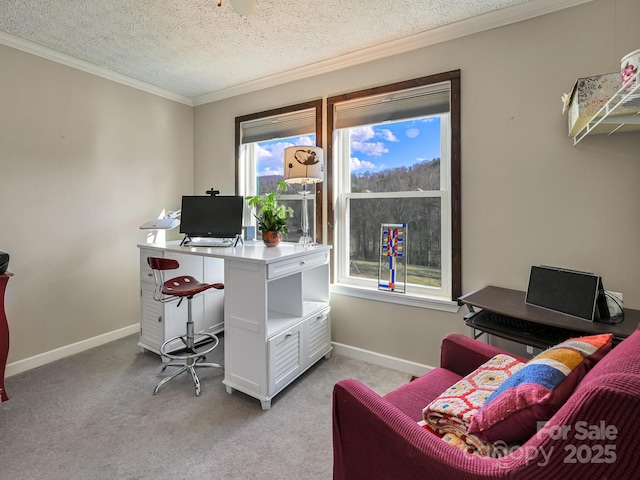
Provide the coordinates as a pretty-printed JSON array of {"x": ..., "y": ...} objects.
[{"x": 378, "y": 437}]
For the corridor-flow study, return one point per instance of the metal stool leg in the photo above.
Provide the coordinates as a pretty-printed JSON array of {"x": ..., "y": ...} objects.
[
  {"x": 170, "y": 377},
  {"x": 195, "y": 378},
  {"x": 190, "y": 360}
]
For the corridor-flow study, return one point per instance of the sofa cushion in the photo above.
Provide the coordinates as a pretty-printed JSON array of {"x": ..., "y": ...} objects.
[
  {"x": 411, "y": 397},
  {"x": 450, "y": 413},
  {"x": 538, "y": 390}
]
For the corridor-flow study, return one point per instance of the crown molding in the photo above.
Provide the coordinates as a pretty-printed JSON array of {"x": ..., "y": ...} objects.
[
  {"x": 488, "y": 21},
  {"x": 64, "y": 59}
]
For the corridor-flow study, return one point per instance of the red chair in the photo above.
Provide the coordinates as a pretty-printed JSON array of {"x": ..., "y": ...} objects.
[{"x": 177, "y": 289}]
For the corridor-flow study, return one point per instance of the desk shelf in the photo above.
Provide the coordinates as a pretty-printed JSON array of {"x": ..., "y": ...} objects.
[{"x": 512, "y": 303}]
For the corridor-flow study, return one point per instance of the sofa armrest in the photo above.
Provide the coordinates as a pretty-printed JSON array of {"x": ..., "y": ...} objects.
[
  {"x": 373, "y": 439},
  {"x": 462, "y": 355}
]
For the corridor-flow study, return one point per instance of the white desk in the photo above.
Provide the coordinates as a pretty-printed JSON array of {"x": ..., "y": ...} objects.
[{"x": 276, "y": 309}]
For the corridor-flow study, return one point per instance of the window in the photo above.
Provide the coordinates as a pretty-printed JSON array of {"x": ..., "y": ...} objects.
[
  {"x": 260, "y": 141},
  {"x": 394, "y": 157}
]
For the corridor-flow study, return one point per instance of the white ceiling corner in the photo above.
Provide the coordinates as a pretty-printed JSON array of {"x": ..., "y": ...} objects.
[{"x": 193, "y": 52}]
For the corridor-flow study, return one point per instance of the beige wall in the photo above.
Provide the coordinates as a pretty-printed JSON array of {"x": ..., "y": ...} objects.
[
  {"x": 83, "y": 162},
  {"x": 528, "y": 195}
]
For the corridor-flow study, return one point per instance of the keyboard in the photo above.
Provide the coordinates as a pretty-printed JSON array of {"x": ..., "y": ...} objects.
[
  {"x": 537, "y": 332},
  {"x": 208, "y": 243}
]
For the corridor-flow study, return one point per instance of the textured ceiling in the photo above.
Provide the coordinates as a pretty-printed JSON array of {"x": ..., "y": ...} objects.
[{"x": 194, "y": 48}]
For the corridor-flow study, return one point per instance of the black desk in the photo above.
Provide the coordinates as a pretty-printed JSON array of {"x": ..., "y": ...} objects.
[{"x": 511, "y": 303}]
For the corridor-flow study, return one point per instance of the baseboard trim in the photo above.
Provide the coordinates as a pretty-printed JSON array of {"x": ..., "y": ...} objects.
[
  {"x": 51, "y": 356},
  {"x": 14, "y": 368},
  {"x": 415, "y": 369}
]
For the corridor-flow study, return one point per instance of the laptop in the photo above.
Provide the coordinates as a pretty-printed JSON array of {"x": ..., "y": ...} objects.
[{"x": 570, "y": 292}]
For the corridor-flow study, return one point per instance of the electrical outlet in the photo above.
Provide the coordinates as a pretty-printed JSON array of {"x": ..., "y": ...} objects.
[
  {"x": 618, "y": 295},
  {"x": 615, "y": 304}
]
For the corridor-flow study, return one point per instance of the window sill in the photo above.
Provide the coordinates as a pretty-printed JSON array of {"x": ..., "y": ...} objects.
[{"x": 421, "y": 301}]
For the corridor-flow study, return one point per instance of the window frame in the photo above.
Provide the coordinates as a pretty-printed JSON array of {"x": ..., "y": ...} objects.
[
  {"x": 332, "y": 170},
  {"x": 316, "y": 105}
]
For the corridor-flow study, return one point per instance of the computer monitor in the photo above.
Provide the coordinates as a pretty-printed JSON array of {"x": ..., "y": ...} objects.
[
  {"x": 211, "y": 216},
  {"x": 567, "y": 291}
]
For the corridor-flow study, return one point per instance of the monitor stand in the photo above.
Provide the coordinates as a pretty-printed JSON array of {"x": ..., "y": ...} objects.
[{"x": 187, "y": 241}]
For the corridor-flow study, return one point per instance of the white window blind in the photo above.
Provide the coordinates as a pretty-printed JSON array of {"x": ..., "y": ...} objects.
[
  {"x": 388, "y": 107},
  {"x": 300, "y": 122}
]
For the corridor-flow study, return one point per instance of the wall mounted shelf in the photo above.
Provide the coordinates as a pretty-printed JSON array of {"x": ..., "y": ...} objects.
[{"x": 607, "y": 120}]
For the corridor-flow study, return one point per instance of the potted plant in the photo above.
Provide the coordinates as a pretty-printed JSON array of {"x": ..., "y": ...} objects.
[{"x": 271, "y": 216}]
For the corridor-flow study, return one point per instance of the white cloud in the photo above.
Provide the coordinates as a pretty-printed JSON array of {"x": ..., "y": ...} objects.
[
  {"x": 357, "y": 164},
  {"x": 361, "y": 140},
  {"x": 306, "y": 141},
  {"x": 374, "y": 149},
  {"x": 271, "y": 159},
  {"x": 264, "y": 154},
  {"x": 272, "y": 171},
  {"x": 362, "y": 134},
  {"x": 388, "y": 135}
]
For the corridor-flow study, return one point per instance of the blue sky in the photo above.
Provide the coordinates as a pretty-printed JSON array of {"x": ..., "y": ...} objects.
[{"x": 373, "y": 148}]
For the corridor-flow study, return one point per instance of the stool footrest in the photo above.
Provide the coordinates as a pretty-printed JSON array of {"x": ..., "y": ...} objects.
[
  {"x": 198, "y": 338},
  {"x": 188, "y": 360}
]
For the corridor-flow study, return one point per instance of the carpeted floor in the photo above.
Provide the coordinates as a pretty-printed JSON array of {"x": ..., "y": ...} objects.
[{"x": 93, "y": 416}]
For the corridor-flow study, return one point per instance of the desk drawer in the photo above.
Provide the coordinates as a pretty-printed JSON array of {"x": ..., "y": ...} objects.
[
  {"x": 285, "y": 358},
  {"x": 318, "y": 335},
  {"x": 287, "y": 267}
]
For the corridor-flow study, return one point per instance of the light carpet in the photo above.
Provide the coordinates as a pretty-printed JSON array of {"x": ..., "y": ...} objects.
[{"x": 93, "y": 416}]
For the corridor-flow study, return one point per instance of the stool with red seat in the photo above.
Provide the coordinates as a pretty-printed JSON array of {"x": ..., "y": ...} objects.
[{"x": 177, "y": 289}]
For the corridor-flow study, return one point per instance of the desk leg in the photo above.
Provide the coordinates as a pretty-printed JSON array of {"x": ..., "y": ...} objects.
[{"x": 477, "y": 334}]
